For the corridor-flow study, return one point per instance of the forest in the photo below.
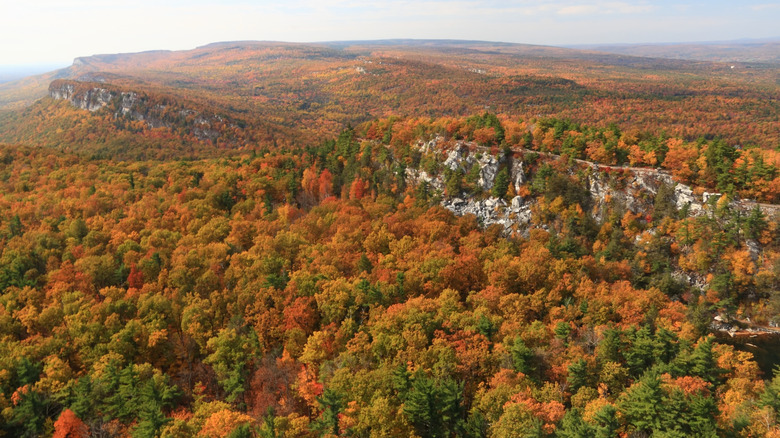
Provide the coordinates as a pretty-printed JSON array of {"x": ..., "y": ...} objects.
[{"x": 281, "y": 278}]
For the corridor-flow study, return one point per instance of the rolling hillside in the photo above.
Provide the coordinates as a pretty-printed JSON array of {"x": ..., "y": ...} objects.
[
  {"x": 757, "y": 52},
  {"x": 321, "y": 88}
]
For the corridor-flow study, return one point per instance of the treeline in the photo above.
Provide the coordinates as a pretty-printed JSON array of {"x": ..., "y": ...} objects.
[{"x": 314, "y": 292}]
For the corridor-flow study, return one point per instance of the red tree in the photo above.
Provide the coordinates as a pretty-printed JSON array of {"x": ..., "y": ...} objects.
[{"x": 70, "y": 426}]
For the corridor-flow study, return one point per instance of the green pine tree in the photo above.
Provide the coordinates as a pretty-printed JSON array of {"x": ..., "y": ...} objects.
[
  {"x": 501, "y": 184},
  {"x": 642, "y": 405},
  {"x": 578, "y": 375}
]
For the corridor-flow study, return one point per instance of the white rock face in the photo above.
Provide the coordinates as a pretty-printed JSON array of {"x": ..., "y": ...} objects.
[
  {"x": 128, "y": 104},
  {"x": 518, "y": 175},
  {"x": 754, "y": 249},
  {"x": 488, "y": 170},
  {"x": 634, "y": 189},
  {"x": 64, "y": 92},
  {"x": 457, "y": 158},
  {"x": 96, "y": 98},
  {"x": 92, "y": 100},
  {"x": 493, "y": 211},
  {"x": 684, "y": 197},
  {"x": 430, "y": 145},
  {"x": 598, "y": 191},
  {"x": 515, "y": 216},
  {"x": 419, "y": 176}
]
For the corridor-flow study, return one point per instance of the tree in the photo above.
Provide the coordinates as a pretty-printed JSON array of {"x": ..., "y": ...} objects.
[
  {"x": 606, "y": 422},
  {"x": 664, "y": 205},
  {"x": 225, "y": 423},
  {"x": 156, "y": 394},
  {"x": 121, "y": 392},
  {"x": 518, "y": 421},
  {"x": 135, "y": 279},
  {"x": 523, "y": 358},
  {"x": 771, "y": 395},
  {"x": 573, "y": 426},
  {"x": 232, "y": 352},
  {"x": 755, "y": 223},
  {"x": 501, "y": 183},
  {"x": 610, "y": 347},
  {"x": 643, "y": 405},
  {"x": 434, "y": 407},
  {"x": 330, "y": 404},
  {"x": 640, "y": 354},
  {"x": 702, "y": 361},
  {"x": 578, "y": 374},
  {"x": 29, "y": 412},
  {"x": 68, "y": 425},
  {"x": 15, "y": 227},
  {"x": 453, "y": 182}
]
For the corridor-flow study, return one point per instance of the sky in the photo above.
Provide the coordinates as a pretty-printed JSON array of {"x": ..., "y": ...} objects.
[{"x": 46, "y": 33}]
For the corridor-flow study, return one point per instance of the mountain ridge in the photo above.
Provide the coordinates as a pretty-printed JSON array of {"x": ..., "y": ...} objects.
[{"x": 324, "y": 88}]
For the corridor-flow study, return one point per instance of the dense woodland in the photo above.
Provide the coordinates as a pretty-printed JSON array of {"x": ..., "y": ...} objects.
[
  {"x": 315, "y": 292},
  {"x": 283, "y": 276}
]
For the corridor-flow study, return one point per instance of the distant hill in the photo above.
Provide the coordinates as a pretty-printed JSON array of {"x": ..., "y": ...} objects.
[
  {"x": 17, "y": 92},
  {"x": 286, "y": 93},
  {"x": 753, "y": 51}
]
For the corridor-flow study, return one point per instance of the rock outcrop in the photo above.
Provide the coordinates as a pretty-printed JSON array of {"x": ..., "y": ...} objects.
[
  {"x": 488, "y": 169},
  {"x": 463, "y": 157},
  {"x": 515, "y": 216},
  {"x": 636, "y": 189},
  {"x": 683, "y": 197},
  {"x": 136, "y": 106},
  {"x": 91, "y": 99}
]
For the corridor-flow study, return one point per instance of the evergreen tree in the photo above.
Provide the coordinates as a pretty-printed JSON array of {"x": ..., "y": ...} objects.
[
  {"x": 83, "y": 401},
  {"x": 331, "y": 403},
  {"x": 434, "y": 407},
  {"x": 242, "y": 431},
  {"x": 523, "y": 359},
  {"x": 364, "y": 264},
  {"x": 755, "y": 224},
  {"x": 453, "y": 182},
  {"x": 573, "y": 426},
  {"x": 703, "y": 361},
  {"x": 232, "y": 350},
  {"x": 578, "y": 375},
  {"x": 606, "y": 422},
  {"x": 501, "y": 183},
  {"x": 771, "y": 395},
  {"x": 610, "y": 347},
  {"x": 401, "y": 380},
  {"x": 155, "y": 396},
  {"x": 643, "y": 404},
  {"x": 119, "y": 393},
  {"x": 29, "y": 415},
  {"x": 15, "y": 227},
  {"x": 640, "y": 354},
  {"x": 420, "y": 407}
]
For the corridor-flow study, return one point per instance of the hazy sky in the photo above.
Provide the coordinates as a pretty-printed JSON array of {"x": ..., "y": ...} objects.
[{"x": 56, "y": 31}]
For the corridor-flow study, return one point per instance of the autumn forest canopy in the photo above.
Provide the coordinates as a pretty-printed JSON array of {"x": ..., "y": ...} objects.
[{"x": 388, "y": 239}]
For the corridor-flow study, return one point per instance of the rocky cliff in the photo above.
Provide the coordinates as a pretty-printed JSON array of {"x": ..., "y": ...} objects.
[
  {"x": 634, "y": 188},
  {"x": 155, "y": 113}
]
